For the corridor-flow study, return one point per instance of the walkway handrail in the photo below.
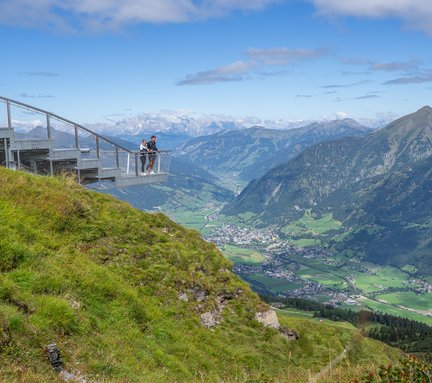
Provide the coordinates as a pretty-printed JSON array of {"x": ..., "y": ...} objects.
[{"x": 59, "y": 118}]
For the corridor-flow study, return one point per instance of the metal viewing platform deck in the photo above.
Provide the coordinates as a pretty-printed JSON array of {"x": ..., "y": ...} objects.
[{"x": 102, "y": 162}]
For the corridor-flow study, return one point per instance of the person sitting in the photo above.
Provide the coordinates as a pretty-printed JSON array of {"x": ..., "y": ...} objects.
[
  {"x": 152, "y": 150},
  {"x": 143, "y": 155}
]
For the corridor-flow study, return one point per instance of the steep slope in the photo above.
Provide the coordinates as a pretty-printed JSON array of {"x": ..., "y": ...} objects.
[
  {"x": 381, "y": 180},
  {"x": 250, "y": 153},
  {"x": 124, "y": 295}
]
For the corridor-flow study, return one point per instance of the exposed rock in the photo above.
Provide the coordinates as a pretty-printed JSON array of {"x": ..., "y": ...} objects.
[
  {"x": 54, "y": 359},
  {"x": 209, "y": 319},
  {"x": 199, "y": 294},
  {"x": 288, "y": 333},
  {"x": 68, "y": 377},
  {"x": 183, "y": 297},
  {"x": 268, "y": 319}
]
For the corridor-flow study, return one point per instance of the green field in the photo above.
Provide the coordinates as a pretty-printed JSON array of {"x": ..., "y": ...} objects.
[
  {"x": 242, "y": 255},
  {"x": 293, "y": 313},
  {"x": 382, "y": 277},
  {"x": 305, "y": 242},
  {"x": 273, "y": 284},
  {"x": 322, "y": 277},
  {"x": 308, "y": 225},
  {"x": 409, "y": 268},
  {"x": 409, "y": 299},
  {"x": 378, "y": 306}
]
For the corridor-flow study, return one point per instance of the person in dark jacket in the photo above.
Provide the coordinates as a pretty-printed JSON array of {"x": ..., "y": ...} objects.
[
  {"x": 152, "y": 151},
  {"x": 143, "y": 155}
]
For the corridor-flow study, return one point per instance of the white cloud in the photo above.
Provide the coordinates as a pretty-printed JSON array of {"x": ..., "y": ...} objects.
[
  {"x": 71, "y": 15},
  {"x": 417, "y": 14},
  {"x": 395, "y": 66},
  {"x": 421, "y": 78},
  {"x": 257, "y": 60},
  {"x": 283, "y": 55},
  {"x": 227, "y": 73}
]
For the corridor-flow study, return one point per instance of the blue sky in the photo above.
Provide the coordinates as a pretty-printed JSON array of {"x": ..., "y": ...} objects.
[{"x": 293, "y": 59}]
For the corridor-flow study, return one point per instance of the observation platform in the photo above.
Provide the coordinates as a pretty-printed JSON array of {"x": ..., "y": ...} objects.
[{"x": 102, "y": 162}]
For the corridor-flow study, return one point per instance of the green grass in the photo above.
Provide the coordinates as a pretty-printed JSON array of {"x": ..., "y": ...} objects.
[
  {"x": 309, "y": 225},
  {"x": 409, "y": 299},
  {"x": 322, "y": 277},
  {"x": 305, "y": 242},
  {"x": 242, "y": 255},
  {"x": 386, "y": 308},
  {"x": 102, "y": 280},
  {"x": 382, "y": 277},
  {"x": 410, "y": 269},
  {"x": 293, "y": 313},
  {"x": 274, "y": 284}
]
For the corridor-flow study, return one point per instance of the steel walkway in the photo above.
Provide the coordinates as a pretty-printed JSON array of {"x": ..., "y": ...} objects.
[{"x": 102, "y": 162}]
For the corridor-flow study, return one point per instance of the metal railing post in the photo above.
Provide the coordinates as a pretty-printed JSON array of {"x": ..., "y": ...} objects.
[
  {"x": 19, "y": 160},
  {"x": 97, "y": 147},
  {"x": 128, "y": 164},
  {"x": 117, "y": 157},
  {"x": 9, "y": 114},
  {"x": 76, "y": 137},
  {"x": 136, "y": 164},
  {"x": 48, "y": 126},
  {"x": 6, "y": 152},
  {"x": 159, "y": 160}
]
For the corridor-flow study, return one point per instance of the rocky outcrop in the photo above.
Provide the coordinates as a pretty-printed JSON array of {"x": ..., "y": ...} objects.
[
  {"x": 269, "y": 319},
  {"x": 210, "y": 319},
  {"x": 54, "y": 358},
  {"x": 214, "y": 317},
  {"x": 53, "y": 354},
  {"x": 288, "y": 333},
  {"x": 183, "y": 297}
]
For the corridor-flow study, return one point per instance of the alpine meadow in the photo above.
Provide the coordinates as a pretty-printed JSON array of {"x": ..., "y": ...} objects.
[{"x": 216, "y": 191}]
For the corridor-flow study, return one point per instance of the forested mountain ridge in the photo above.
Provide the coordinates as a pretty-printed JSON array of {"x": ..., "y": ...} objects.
[{"x": 379, "y": 185}]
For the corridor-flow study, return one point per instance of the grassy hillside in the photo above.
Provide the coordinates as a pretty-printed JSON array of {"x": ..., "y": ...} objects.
[{"x": 102, "y": 280}]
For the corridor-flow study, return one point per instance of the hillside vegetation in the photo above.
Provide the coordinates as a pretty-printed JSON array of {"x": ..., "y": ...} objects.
[
  {"x": 103, "y": 281},
  {"x": 378, "y": 186}
]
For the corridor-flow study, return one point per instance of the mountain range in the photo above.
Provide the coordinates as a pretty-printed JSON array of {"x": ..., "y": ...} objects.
[
  {"x": 250, "y": 153},
  {"x": 379, "y": 186}
]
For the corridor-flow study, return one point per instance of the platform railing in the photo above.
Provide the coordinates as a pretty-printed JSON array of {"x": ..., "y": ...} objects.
[{"x": 52, "y": 116}]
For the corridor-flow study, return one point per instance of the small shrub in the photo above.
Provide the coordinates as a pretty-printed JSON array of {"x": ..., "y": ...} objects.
[{"x": 409, "y": 370}]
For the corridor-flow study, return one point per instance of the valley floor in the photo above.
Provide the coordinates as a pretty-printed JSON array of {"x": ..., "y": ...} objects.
[{"x": 297, "y": 266}]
